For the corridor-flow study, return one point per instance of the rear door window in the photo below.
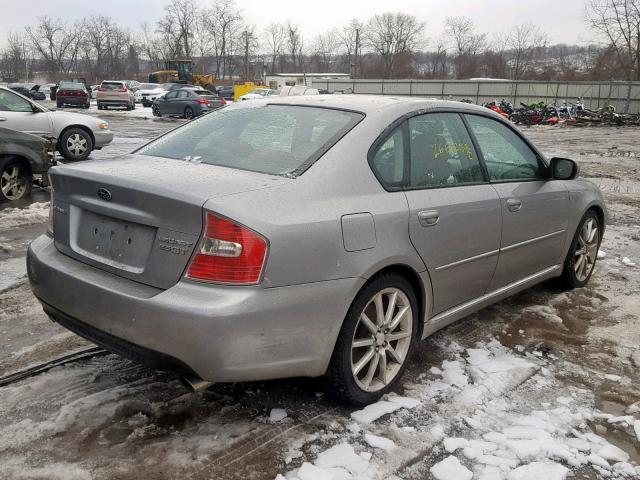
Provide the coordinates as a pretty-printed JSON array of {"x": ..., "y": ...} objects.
[
  {"x": 442, "y": 153},
  {"x": 274, "y": 139}
]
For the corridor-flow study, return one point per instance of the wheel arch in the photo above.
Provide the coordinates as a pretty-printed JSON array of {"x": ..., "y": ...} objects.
[
  {"x": 9, "y": 157},
  {"x": 421, "y": 288},
  {"x": 81, "y": 127}
]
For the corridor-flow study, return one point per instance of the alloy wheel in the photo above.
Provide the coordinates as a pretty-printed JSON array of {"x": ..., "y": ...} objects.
[
  {"x": 12, "y": 183},
  {"x": 586, "y": 250},
  {"x": 381, "y": 339},
  {"x": 76, "y": 144}
]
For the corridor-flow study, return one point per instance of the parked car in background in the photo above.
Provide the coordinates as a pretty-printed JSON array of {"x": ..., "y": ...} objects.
[
  {"x": 76, "y": 134},
  {"x": 115, "y": 93},
  {"x": 148, "y": 91},
  {"x": 46, "y": 89},
  {"x": 163, "y": 89},
  {"x": 74, "y": 94},
  {"x": 226, "y": 93},
  {"x": 29, "y": 91},
  {"x": 186, "y": 102},
  {"x": 133, "y": 85},
  {"x": 22, "y": 155},
  {"x": 259, "y": 93},
  {"x": 310, "y": 236}
]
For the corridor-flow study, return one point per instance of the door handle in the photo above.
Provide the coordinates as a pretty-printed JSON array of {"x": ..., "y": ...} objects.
[
  {"x": 3, "y": 119},
  {"x": 428, "y": 218},
  {"x": 513, "y": 204}
]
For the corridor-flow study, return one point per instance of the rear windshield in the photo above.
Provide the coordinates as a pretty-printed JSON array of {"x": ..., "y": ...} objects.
[
  {"x": 112, "y": 85},
  {"x": 273, "y": 139},
  {"x": 71, "y": 86}
]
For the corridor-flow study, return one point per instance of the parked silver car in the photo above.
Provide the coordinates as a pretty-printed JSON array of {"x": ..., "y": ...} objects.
[
  {"x": 77, "y": 135},
  {"x": 309, "y": 236}
]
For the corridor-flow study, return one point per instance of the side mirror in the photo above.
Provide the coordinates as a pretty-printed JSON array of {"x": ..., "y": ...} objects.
[
  {"x": 35, "y": 108},
  {"x": 563, "y": 169}
]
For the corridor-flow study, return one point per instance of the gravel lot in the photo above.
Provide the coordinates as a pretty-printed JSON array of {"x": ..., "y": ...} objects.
[{"x": 541, "y": 384}]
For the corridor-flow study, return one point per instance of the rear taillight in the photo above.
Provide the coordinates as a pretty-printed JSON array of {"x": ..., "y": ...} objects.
[
  {"x": 203, "y": 101},
  {"x": 102, "y": 89},
  {"x": 123, "y": 90},
  {"x": 228, "y": 253}
]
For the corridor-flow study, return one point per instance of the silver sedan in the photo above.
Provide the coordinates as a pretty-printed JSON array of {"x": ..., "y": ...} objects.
[{"x": 309, "y": 236}]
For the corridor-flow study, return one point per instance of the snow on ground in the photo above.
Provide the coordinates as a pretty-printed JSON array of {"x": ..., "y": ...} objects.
[
  {"x": 20, "y": 217},
  {"x": 542, "y": 431},
  {"x": 13, "y": 271}
]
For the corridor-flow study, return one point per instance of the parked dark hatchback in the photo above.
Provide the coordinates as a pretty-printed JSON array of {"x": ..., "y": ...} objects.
[
  {"x": 187, "y": 103},
  {"x": 32, "y": 92}
]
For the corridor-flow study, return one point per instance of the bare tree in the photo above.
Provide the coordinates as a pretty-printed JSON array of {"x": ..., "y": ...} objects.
[
  {"x": 392, "y": 35},
  {"x": 178, "y": 24},
  {"x": 467, "y": 44},
  {"x": 52, "y": 40},
  {"x": 619, "y": 22},
  {"x": 275, "y": 37},
  {"x": 527, "y": 43},
  {"x": 249, "y": 42},
  {"x": 15, "y": 57},
  {"x": 295, "y": 46},
  {"x": 226, "y": 23},
  {"x": 351, "y": 39},
  {"x": 325, "y": 46}
]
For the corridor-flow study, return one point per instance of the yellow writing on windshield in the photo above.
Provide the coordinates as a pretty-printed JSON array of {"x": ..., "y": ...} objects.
[{"x": 452, "y": 149}]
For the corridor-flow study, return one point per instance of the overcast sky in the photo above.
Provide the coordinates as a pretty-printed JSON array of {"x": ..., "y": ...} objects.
[{"x": 561, "y": 19}]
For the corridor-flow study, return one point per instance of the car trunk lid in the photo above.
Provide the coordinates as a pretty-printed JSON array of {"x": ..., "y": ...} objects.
[{"x": 140, "y": 217}]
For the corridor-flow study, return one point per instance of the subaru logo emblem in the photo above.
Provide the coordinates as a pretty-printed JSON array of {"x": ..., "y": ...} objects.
[{"x": 104, "y": 194}]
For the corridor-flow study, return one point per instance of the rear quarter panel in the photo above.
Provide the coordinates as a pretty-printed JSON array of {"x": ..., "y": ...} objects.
[{"x": 302, "y": 220}]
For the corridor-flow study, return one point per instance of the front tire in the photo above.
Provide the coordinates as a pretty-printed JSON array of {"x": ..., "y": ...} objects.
[
  {"x": 583, "y": 253},
  {"x": 156, "y": 111},
  {"x": 75, "y": 145},
  {"x": 375, "y": 342},
  {"x": 16, "y": 180}
]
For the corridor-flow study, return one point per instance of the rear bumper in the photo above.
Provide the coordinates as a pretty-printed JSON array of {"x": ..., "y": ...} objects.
[
  {"x": 102, "y": 138},
  {"x": 72, "y": 100},
  {"x": 121, "y": 103},
  {"x": 222, "y": 333}
]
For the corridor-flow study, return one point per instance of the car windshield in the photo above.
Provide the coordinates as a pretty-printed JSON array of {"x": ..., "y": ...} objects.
[
  {"x": 273, "y": 139},
  {"x": 260, "y": 91},
  {"x": 166, "y": 86},
  {"x": 149, "y": 86}
]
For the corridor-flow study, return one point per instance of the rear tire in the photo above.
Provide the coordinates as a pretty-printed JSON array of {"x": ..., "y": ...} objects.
[
  {"x": 75, "y": 144},
  {"x": 16, "y": 179},
  {"x": 375, "y": 342},
  {"x": 583, "y": 253},
  {"x": 59, "y": 104},
  {"x": 188, "y": 113}
]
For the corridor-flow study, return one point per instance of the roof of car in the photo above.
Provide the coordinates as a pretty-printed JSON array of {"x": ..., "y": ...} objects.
[{"x": 374, "y": 103}]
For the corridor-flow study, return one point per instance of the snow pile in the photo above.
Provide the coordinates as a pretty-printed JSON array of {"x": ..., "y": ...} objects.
[
  {"x": 372, "y": 412},
  {"x": 277, "y": 414},
  {"x": 19, "y": 217},
  {"x": 512, "y": 421},
  {"x": 626, "y": 261},
  {"x": 12, "y": 271},
  {"x": 451, "y": 469},
  {"x": 338, "y": 462}
]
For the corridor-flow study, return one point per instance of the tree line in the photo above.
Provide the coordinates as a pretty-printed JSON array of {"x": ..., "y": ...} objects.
[{"x": 388, "y": 45}]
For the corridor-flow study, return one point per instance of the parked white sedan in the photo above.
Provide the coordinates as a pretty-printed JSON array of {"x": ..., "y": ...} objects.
[
  {"x": 77, "y": 135},
  {"x": 259, "y": 93}
]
